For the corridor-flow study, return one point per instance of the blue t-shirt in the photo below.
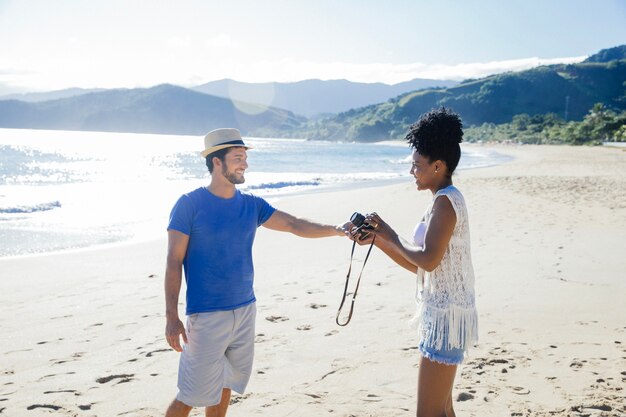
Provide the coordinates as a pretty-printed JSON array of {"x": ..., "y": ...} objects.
[{"x": 218, "y": 264}]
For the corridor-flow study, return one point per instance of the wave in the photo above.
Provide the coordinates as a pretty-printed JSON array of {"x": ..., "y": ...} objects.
[
  {"x": 282, "y": 184},
  {"x": 31, "y": 209}
]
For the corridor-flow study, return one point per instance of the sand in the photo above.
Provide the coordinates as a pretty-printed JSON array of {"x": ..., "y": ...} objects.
[{"x": 82, "y": 332}]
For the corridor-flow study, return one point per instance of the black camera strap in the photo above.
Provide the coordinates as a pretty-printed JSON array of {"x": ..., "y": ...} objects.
[{"x": 356, "y": 290}]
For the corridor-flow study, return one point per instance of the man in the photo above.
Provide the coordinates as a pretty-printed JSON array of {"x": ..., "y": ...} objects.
[{"x": 210, "y": 233}]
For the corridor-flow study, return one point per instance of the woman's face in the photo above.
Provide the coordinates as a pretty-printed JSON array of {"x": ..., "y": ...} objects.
[{"x": 423, "y": 170}]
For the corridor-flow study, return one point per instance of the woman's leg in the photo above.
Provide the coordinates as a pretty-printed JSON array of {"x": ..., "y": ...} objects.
[
  {"x": 434, "y": 389},
  {"x": 449, "y": 408}
]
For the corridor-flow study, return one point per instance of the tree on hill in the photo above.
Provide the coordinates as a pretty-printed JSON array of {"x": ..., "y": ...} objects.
[
  {"x": 601, "y": 124},
  {"x": 610, "y": 54}
]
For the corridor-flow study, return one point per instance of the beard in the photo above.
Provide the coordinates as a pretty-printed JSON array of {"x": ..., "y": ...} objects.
[{"x": 232, "y": 177}]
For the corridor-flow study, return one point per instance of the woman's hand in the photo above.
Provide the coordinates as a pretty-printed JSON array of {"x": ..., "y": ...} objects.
[
  {"x": 361, "y": 236},
  {"x": 379, "y": 227},
  {"x": 373, "y": 226}
]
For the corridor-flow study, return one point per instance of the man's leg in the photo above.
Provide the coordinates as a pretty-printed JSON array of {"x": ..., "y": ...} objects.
[
  {"x": 177, "y": 409},
  {"x": 201, "y": 373},
  {"x": 220, "y": 409}
]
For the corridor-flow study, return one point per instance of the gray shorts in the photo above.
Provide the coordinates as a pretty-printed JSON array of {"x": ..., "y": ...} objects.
[{"x": 218, "y": 355}]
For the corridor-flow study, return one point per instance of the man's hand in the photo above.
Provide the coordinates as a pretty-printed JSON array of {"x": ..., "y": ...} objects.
[
  {"x": 173, "y": 330},
  {"x": 344, "y": 229}
]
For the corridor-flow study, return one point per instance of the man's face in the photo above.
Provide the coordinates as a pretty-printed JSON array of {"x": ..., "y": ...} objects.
[{"x": 235, "y": 164}]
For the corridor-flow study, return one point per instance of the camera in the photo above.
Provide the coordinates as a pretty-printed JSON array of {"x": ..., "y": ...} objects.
[{"x": 358, "y": 220}]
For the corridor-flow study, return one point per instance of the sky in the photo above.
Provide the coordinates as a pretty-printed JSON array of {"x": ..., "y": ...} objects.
[{"x": 49, "y": 45}]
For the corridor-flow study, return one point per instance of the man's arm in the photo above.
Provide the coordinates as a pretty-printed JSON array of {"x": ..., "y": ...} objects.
[
  {"x": 176, "y": 250},
  {"x": 285, "y": 222}
]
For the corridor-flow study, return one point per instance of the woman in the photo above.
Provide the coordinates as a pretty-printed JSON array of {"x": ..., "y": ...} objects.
[{"x": 440, "y": 253}]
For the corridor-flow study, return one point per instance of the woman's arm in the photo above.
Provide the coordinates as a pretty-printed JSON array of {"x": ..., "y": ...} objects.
[
  {"x": 385, "y": 245},
  {"x": 387, "y": 248},
  {"x": 438, "y": 234}
]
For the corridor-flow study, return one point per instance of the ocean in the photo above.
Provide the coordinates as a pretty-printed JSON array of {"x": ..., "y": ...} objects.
[{"x": 63, "y": 190}]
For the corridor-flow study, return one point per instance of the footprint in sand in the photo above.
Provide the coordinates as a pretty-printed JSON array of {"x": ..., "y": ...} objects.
[
  {"x": 73, "y": 357},
  {"x": 53, "y": 375},
  {"x": 121, "y": 377},
  {"x": 61, "y": 317},
  {"x": 73, "y": 391},
  {"x": 599, "y": 407},
  {"x": 238, "y": 398},
  {"x": 464, "y": 396},
  {"x": 149, "y": 354},
  {"x": 51, "y": 407},
  {"x": 275, "y": 319},
  {"x": 16, "y": 351},
  {"x": 304, "y": 327},
  {"x": 520, "y": 390},
  {"x": 372, "y": 398},
  {"x": 317, "y": 398},
  {"x": 315, "y": 306}
]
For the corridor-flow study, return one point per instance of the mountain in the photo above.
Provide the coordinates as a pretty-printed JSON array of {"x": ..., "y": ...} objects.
[
  {"x": 607, "y": 55},
  {"x": 568, "y": 91},
  {"x": 314, "y": 97},
  {"x": 49, "y": 95},
  {"x": 164, "y": 109}
]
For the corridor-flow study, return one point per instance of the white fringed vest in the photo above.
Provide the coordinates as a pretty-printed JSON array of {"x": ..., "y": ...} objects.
[{"x": 446, "y": 311}]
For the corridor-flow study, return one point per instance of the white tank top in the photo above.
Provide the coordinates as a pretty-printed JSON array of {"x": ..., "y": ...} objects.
[{"x": 445, "y": 296}]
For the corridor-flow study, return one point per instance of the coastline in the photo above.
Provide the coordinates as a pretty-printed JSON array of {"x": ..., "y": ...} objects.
[
  {"x": 54, "y": 236},
  {"x": 84, "y": 329}
]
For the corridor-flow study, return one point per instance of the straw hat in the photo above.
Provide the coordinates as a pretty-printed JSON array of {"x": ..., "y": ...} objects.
[{"x": 222, "y": 138}]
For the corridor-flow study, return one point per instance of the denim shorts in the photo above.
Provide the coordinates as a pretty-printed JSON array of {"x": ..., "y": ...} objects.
[
  {"x": 452, "y": 356},
  {"x": 445, "y": 355}
]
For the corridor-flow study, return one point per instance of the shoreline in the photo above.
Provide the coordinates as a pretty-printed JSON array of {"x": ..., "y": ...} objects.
[
  {"x": 84, "y": 335},
  {"x": 328, "y": 188}
]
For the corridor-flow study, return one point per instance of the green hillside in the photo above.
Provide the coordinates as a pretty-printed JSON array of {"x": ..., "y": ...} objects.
[{"x": 568, "y": 91}]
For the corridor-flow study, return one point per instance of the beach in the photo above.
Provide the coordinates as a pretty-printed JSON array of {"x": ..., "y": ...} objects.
[{"x": 83, "y": 330}]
